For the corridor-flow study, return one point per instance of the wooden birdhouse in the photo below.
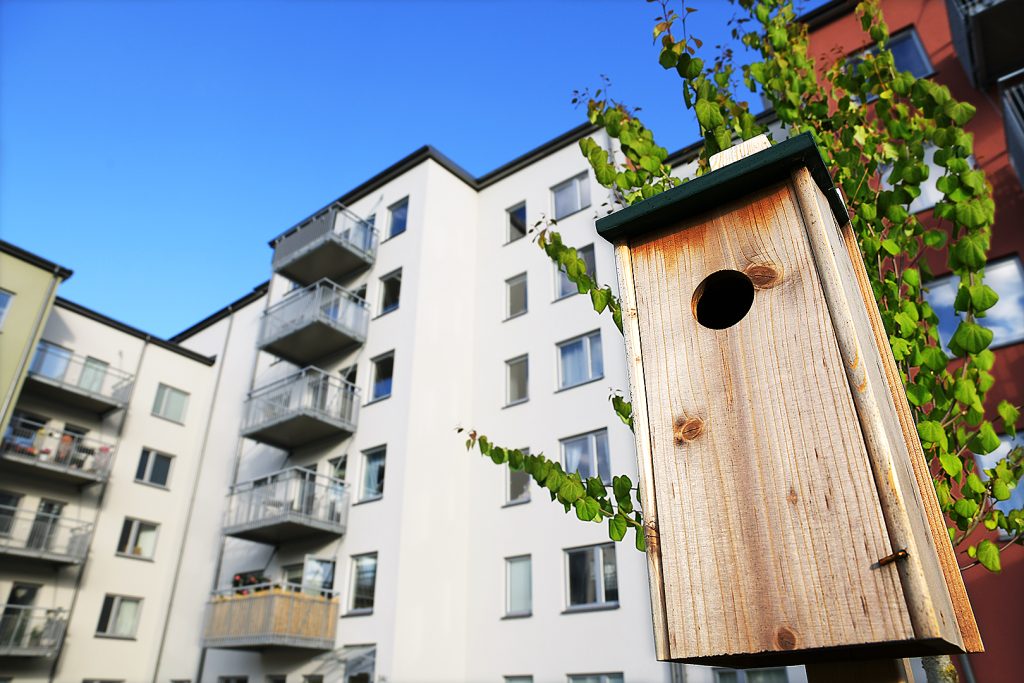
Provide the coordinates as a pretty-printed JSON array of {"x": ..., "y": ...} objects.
[{"x": 789, "y": 508}]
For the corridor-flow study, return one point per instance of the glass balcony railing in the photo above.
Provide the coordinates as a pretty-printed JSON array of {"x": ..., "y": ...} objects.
[
  {"x": 291, "y": 504},
  {"x": 1013, "y": 120},
  {"x": 43, "y": 535},
  {"x": 66, "y": 455},
  {"x": 312, "y": 322},
  {"x": 27, "y": 631},
  {"x": 301, "y": 408},
  {"x": 332, "y": 244},
  {"x": 81, "y": 381},
  {"x": 985, "y": 37},
  {"x": 272, "y": 615}
]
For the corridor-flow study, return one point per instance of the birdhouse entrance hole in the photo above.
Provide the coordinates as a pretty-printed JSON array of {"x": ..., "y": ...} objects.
[{"x": 722, "y": 299}]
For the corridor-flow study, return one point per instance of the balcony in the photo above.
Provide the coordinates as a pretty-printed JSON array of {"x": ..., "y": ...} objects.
[
  {"x": 332, "y": 244},
  {"x": 271, "y": 615},
  {"x": 1013, "y": 121},
  {"x": 66, "y": 456},
  {"x": 310, "y": 323},
  {"x": 27, "y": 631},
  {"x": 292, "y": 504},
  {"x": 986, "y": 37},
  {"x": 41, "y": 536},
  {"x": 79, "y": 381},
  {"x": 302, "y": 408}
]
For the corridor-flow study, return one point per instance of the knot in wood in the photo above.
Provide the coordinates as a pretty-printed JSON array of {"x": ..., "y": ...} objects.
[
  {"x": 785, "y": 638},
  {"x": 687, "y": 429},
  {"x": 763, "y": 275}
]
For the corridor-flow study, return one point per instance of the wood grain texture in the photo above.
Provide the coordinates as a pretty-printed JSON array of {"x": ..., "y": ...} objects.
[
  {"x": 755, "y": 144},
  {"x": 924, "y": 584},
  {"x": 769, "y": 521},
  {"x": 642, "y": 436},
  {"x": 936, "y": 522}
]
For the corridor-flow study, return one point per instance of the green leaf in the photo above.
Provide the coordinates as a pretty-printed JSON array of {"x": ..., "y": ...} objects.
[
  {"x": 1000, "y": 491},
  {"x": 988, "y": 555},
  {"x": 960, "y": 112},
  {"x": 983, "y": 297},
  {"x": 918, "y": 395},
  {"x": 595, "y": 487},
  {"x": 621, "y": 486},
  {"x": 708, "y": 114},
  {"x": 931, "y": 432},
  {"x": 969, "y": 250},
  {"x": 971, "y": 337},
  {"x": 936, "y": 239},
  {"x": 587, "y": 509},
  {"x": 966, "y": 508},
  {"x": 964, "y": 391},
  {"x": 617, "y": 527},
  {"x": 951, "y": 464},
  {"x": 641, "y": 541},
  {"x": 600, "y": 298},
  {"x": 571, "y": 489},
  {"x": 985, "y": 440},
  {"x": 975, "y": 484},
  {"x": 1009, "y": 415}
]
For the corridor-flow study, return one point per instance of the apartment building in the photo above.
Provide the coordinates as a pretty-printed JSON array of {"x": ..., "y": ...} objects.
[{"x": 278, "y": 493}]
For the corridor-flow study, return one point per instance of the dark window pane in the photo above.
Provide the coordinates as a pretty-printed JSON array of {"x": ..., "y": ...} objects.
[
  {"x": 518, "y": 486},
  {"x": 516, "y": 223},
  {"x": 399, "y": 217},
  {"x": 108, "y": 606},
  {"x": 161, "y": 468},
  {"x": 392, "y": 287},
  {"x": 611, "y": 580},
  {"x": 126, "y": 532},
  {"x": 140, "y": 472},
  {"x": 582, "y": 584},
  {"x": 383, "y": 370},
  {"x": 365, "y": 583}
]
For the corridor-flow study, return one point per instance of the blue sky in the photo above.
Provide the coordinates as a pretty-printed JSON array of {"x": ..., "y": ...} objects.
[{"x": 155, "y": 147}]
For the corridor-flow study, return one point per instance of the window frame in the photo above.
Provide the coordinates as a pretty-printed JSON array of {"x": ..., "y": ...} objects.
[
  {"x": 509, "y": 613},
  {"x": 115, "y": 605},
  {"x": 149, "y": 468},
  {"x": 391, "y": 218},
  {"x": 603, "y": 603},
  {"x": 591, "y": 438},
  {"x": 509, "y": 401},
  {"x": 579, "y": 181},
  {"x": 383, "y": 279},
  {"x": 363, "y": 497},
  {"x": 952, "y": 279},
  {"x": 509, "y": 472},
  {"x": 156, "y": 403},
  {"x": 7, "y": 299},
  {"x": 741, "y": 674},
  {"x": 373, "y": 377},
  {"x": 133, "y": 538},
  {"x": 509, "y": 239},
  {"x": 359, "y": 611},
  {"x": 604, "y": 677},
  {"x": 587, "y": 338},
  {"x": 509, "y": 283},
  {"x": 561, "y": 277}
]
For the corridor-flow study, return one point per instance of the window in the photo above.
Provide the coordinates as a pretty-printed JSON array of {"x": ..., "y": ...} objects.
[
  {"x": 908, "y": 54},
  {"x": 312, "y": 678},
  {"x": 518, "y": 484},
  {"x": 119, "y": 616},
  {"x": 154, "y": 468},
  {"x": 518, "y": 587},
  {"x": 277, "y": 678},
  {"x": 516, "y": 227},
  {"x": 383, "y": 369},
  {"x": 930, "y": 193},
  {"x": 774, "y": 675},
  {"x": 398, "y": 217},
  {"x": 517, "y": 375},
  {"x": 138, "y": 539},
  {"x": 515, "y": 296},
  {"x": 564, "y": 286},
  {"x": 1005, "y": 319},
  {"x": 570, "y": 196},
  {"x": 595, "y": 678},
  {"x": 579, "y": 360},
  {"x": 390, "y": 289},
  {"x": 373, "y": 474},
  {"x": 364, "y": 582},
  {"x": 592, "y": 576},
  {"x": 588, "y": 455},
  {"x": 51, "y": 361},
  {"x": 170, "y": 403},
  {"x": 232, "y": 679},
  {"x": 5, "y": 305},
  {"x": 518, "y": 679},
  {"x": 990, "y": 460},
  {"x": 8, "y": 506},
  {"x": 93, "y": 372},
  {"x": 338, "y": 466}
]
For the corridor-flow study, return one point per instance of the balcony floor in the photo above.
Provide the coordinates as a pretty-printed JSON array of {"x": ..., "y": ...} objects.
[
  {"x": 41, "y": 651},
  {"x": 289, "y": 525},
  {"x": 71, "y": 395},
  {"x": 309, "y": 343},
  {"x": 48, "y": 556},
  {"x": 257, "y": 644},
  {"x": 329, "y": 258},
  {"x": 31, "y": 465},
  {"x": 297, "y": 429}
]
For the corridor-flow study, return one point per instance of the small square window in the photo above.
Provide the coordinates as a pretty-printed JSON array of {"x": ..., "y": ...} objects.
[
  {"x": 570, "y": 196},
  {"x": 138, "y": 539},
  {"x": 592, "y": 576},
  {"x": 518, "y": 586},
  {"x": 383, "y": 369},
  {"x": 364, "y": 582},
  {"x": 516, "y": 224},
  {"x": 595, "y": 678},
  {"x": 373, "y": 474},
  {"x": 588, "y": 455},
  {"x": 398, "y": 217},
  {"x": 517, "y": 679},
  {"x": 390, "y": 289},
  {"x": 170, "y": 403},
  {"x": 154, "y": 468},
  {"x": 579, "y": 360},
  {"x": 515, "y": 296},
  {"x": 563, "y": 285},
  {"x": 517, "y": 376},
  {"x": 517, "y": 488},
  {"x": 119, "y": 616},
  {"x": 5, "y": 305}
]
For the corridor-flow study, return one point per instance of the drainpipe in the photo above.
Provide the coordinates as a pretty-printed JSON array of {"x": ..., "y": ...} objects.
[
  {"x": 99, "y": 508},
  {"x": 192, "y": 498}
]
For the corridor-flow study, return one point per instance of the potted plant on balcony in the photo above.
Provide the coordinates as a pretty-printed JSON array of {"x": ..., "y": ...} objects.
[{"x": 35, "y": 637}]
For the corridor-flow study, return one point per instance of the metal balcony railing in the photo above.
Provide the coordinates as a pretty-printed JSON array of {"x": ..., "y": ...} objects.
[
  {"x": 291, "y": 504},
  {"x": 27, "y": 631},
  {"x": 303, "y": 407},
  {"x": 313, "y": 322},
  {"x": 44, "y": 536},
  {"x": 985, "y": 37},
  {"x": 65, "y": 454},
  {"x": 1013, "y": 120},
  {"x": 272, "y": 615},
  {"x": 80, "y": 380},
  {"x": 333, "y": 243}
]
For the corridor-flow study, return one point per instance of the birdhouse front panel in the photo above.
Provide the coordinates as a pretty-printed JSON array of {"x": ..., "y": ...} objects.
[{"x": 781, "y": 478}]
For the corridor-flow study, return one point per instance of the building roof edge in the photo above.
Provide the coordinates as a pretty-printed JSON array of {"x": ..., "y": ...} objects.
[
  {"x": 36, "y": 260},
  {"x": 258, "y": 292}
]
